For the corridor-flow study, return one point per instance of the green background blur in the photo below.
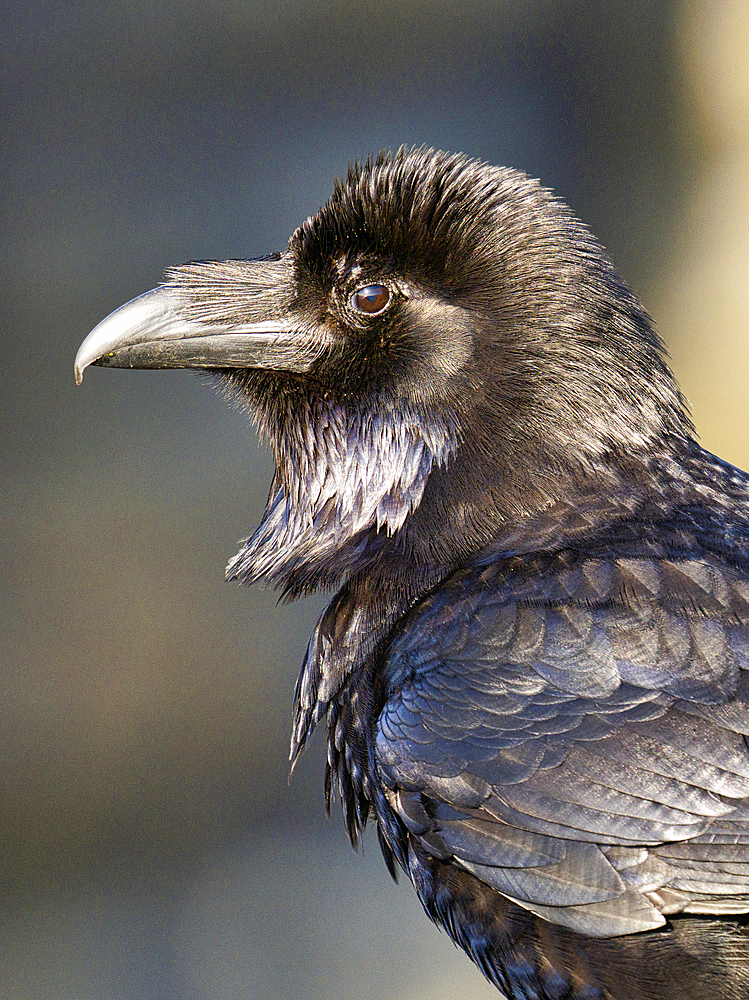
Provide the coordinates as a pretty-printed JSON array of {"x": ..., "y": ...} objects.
[{"x": 150, "y": 845}]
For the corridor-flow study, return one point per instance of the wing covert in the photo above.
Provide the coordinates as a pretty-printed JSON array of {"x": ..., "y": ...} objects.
[{"x": 578, "y": 744}]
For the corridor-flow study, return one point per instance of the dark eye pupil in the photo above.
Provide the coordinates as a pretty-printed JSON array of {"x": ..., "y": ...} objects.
[{"x": 371, "y": 298}]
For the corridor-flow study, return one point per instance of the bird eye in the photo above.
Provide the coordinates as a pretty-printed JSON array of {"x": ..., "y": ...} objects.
[{"x": 370, "y": 299}]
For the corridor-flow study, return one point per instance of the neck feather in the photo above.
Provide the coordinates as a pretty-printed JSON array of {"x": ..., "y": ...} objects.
[{"x": 344, "y": 478}]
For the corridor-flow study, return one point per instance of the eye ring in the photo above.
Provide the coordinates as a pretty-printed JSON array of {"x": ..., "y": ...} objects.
[{"x": 371, "y": 299}]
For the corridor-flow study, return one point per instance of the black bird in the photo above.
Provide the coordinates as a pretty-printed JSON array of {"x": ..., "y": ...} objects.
[{"x": 535, "y": 672}]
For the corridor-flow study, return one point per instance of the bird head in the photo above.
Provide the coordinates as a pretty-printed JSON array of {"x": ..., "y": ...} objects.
[{"x": 442, "y": 350}]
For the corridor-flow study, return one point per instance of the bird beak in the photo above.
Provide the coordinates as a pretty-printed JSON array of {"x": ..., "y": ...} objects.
[{"x": 234, "y": 314}]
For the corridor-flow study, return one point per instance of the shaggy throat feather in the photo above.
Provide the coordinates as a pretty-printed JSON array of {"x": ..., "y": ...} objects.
[{"x": 342, "y": 476}]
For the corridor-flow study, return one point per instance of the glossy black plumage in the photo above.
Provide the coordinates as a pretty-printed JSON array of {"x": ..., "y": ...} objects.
[{"x": 534, "y": 673}]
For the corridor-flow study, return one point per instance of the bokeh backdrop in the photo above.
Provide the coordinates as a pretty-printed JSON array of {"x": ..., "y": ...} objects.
[{"x": 150, "y": 845}]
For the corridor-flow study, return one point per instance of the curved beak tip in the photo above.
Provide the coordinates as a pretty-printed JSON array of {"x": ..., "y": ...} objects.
[{"x": 128, "y": 325}]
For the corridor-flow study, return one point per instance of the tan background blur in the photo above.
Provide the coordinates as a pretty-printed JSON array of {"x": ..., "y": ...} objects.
[{"x": 149, "y": 843}]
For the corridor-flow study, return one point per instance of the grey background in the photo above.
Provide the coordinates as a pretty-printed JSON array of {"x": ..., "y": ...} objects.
[{"x": 150, "y": 845}]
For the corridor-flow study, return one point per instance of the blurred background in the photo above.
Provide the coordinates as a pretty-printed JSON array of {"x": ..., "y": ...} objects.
[{"x": 150, "y": 845}]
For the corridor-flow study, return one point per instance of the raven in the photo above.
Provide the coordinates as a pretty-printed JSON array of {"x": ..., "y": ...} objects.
[{"x": 535, "y": 673}]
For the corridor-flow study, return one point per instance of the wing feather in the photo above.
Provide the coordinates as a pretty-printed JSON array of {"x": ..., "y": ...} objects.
[{"x": 575, "y": 738}]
